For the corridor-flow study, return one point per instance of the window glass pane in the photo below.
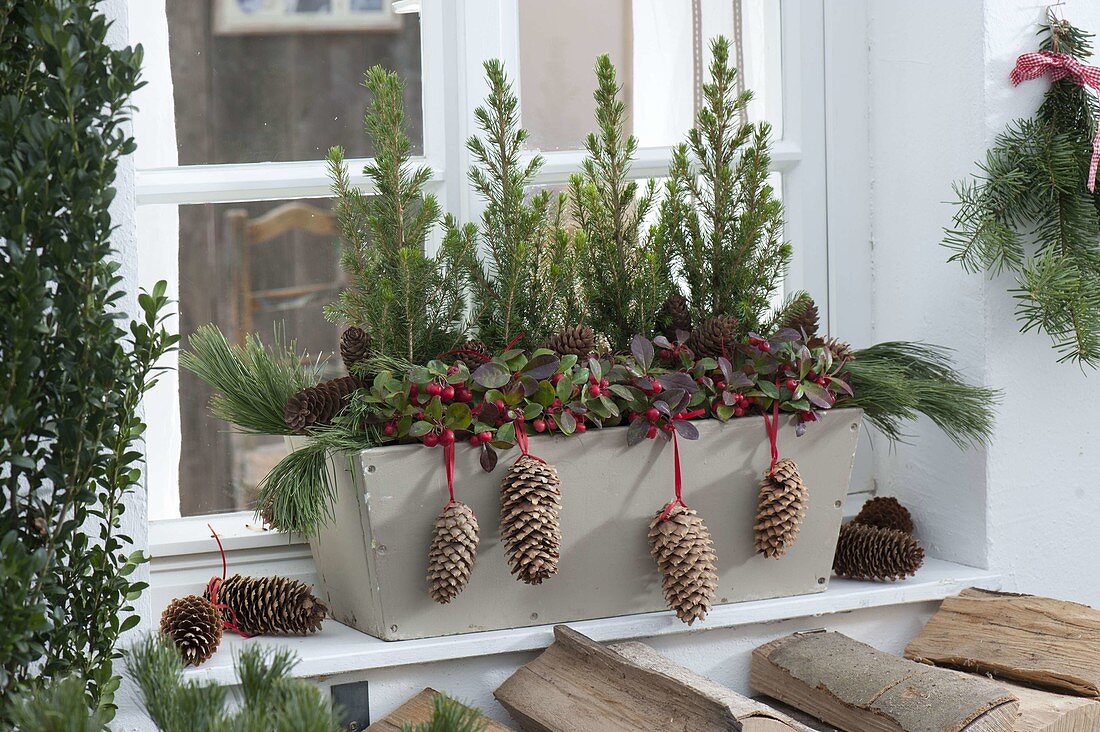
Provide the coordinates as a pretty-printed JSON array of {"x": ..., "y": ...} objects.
[
  {"x": 661, "y": 52},
  {"x": 247, "y": 268},
  {"x": 258, "y": 80}
]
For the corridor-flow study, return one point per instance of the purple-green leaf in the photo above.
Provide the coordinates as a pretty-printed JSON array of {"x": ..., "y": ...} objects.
[{"x": 492, "y": 375}]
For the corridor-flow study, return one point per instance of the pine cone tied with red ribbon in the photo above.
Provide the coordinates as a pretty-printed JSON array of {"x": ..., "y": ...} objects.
[
  {"x": 354, "y": 346},
  {"x": 872, "y": 553},
  {"x": 269, "y": 605},
  {"x": 681, "y": 545},
  {"x": 886, "y": 513},
  {"x": 714, "y": 337},
  {"x": 453, "y": 552},
  {"x": 195, "y": 626},
  {"x": 316, "y": 406},
  {"x": 530, "y": 519},
  {"x": 781, "y": 509},
  {"x": 577, "y": 340}
]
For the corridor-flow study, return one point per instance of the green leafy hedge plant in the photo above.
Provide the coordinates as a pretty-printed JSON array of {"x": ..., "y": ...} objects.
[{"x": 527, "y": 269}]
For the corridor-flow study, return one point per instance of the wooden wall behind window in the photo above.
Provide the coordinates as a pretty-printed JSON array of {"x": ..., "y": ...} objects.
[{"x": 258, "y": 98}]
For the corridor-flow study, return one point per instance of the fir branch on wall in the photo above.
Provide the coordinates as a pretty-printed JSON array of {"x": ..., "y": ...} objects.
[
  {"x": 624, "y": 275},
  {"x": 1027, "y": 211}
]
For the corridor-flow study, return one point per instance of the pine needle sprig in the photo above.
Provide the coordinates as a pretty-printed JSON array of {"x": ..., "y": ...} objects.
[
  {"x": 251, "y": 381},
  {"x": 297, "y": 494},
  {"x": 625, "y": 276},
  {"x": 896, "y": 381},
  {"x": 449, "y": 715},
  {"x": 1027, "y": 211},
  {"x": 513, "y": 277}
]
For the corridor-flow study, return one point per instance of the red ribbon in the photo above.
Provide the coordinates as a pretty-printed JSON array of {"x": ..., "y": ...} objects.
[
  {"x": 771, "y": 426},
  {"x": 215, "y": 584},
  {"x": 449, "y": 465},
  {"x": 521, "y": 441},
  {"x": 1062, "y": 66},
  {"x": 679, "y": 481}
]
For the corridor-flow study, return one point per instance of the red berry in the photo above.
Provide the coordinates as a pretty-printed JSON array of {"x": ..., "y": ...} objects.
[
  {"x": 431, "y": 439},
  {"x": 604, "y": 383},
  {"x": 593, "y": 390},
  {"x": 390, "y": 428},
  {"x": 667, "y": 426},
  {"x": 434, "y": 389},
  {"x": 765, "y": 347},
  {"x": 556, "y": 378},
  {"x": 791, "y": 384},
  {"x": 452, "y": 370},
  {"x": 485, "y": 436},
  {"x": 720, "y": 385},
  {"x": 413, "y": 391},
  {"x": 448, "y": 393},
  {"x": 476, "y": 409},
  {"x": 657, "y": 388},
  {"x": 822, "y": 380},
  {"x": 499, "y": 404},
  {"x": 463, "y": 394},
  {"x": 556, "y": 403},
  {"x": 666, "y": 354},
  {"x": 539, "y": 425},
  {"x": 738, "y": 411},
  {"x": 475, "y": 440},
  {"x": 581, "y": 426},
  {"x": 551, "y": 423},
  {"x": 651, "y": 432},
  {"x": 448, "y": 436},
  {"x": 652, "y": 414}
]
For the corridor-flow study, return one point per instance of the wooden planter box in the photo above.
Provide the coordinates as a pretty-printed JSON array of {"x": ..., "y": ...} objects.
[{"x": 372, "y": 559}]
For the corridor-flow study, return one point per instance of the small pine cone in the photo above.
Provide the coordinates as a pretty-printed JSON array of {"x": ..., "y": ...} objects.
[
  {"x": 842, "y": 352},
  {"x": 871, "y": 553},
  {"x": 270, "y": 605},
  {"x": 714, "y": 337},
  {"x": 781, "y": 508},
  {"x": 685, "y": 557},
  {"x": 577, "y": 340},
  {"x": 530, "y": 510},
  {"x": 354, "y": 346},
  {"x": 886, "y": 513},
  {"x": 473, "y": 353},
  {"x": 802, "y": 315},
  {"x": 453, "y": 552},
  {"x": 674, "y": 316},
  {"x": 195, "y": 626},
  {"x": 316, "y": 406}
]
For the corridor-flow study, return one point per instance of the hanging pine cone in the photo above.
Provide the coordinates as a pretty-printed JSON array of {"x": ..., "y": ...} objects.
[
  {"x": 316, "y": 406},
  {"x": 354, "y": 346},
  {"x": 453, "y": 552},
  {"x": 685, "y": 557},
  {"x": 674, "y": 316},
  {"x": 886, "y": 513},
  {"x": 577, "y": 340},
  {"x": 714, "y": 337},
  {"x": 270, "y": 605},
  {"x": 781, "y": 508},
  {"x": 801, "y": 315},
  {"x": 530, "y": 508},
  {"x": 195, "y": 626},
  {"x": 871, "y": 553}
]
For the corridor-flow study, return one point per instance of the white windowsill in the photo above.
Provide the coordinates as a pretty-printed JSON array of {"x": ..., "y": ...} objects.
[
  {"x": 338, "y": 649},
  {"x": 237, "y": 531}
]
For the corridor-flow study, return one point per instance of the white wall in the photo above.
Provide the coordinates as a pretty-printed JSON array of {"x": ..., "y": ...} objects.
[{"x": 939, "y": 93}]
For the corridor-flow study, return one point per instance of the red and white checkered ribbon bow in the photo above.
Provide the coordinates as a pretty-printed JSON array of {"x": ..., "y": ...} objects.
[{"x": 1062, "y": 66}]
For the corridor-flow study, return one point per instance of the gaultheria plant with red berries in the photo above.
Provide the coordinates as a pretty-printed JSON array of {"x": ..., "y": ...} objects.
[{"x": 430, "y": 370}]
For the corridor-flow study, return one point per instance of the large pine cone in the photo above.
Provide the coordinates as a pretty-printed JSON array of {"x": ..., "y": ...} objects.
[
  {"x": 685, "y": 557},
  {"x": 453, "y": 552},
  {"x": 714, "y": 337},
  {"x": 316, "y": 406},
  {"x": 870, "y": 553},
  {"x": 801, "y": 315},
  {"x": 354, "y": 346},
  {"x": 886, "y": 513},
  {"x": 530, "y": 510},
  {"x": 781, "y": 508},
  {"x": 195, "y": 626},
  {"x": 577, "y": 340},
  {"x": 270, "y": 605},
  {"x": 674, "y": 316}
]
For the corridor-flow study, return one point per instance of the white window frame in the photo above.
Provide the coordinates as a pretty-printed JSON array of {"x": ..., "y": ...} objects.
[{"x": 456, "y": 37}]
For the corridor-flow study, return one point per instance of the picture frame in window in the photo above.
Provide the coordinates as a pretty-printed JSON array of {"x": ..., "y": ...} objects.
[{"x": 271, "y": 17}]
